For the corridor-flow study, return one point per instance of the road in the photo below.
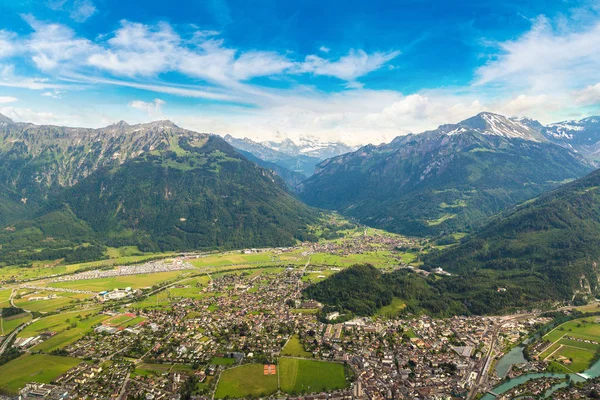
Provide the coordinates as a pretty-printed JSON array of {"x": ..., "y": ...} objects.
[{"x": 10, "y": 337}]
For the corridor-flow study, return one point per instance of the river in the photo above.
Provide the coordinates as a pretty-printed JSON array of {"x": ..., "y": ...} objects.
[{"x": 592, "y": 372}]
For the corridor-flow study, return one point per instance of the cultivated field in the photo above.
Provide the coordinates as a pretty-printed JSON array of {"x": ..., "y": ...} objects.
[
  {"x": 119, "y": 282},
  {"x": 4, "y": 298},
  {"x": 8, "y": 324},
  {"x": 306, "y": 376},
  {"x": 33, "y": 368},
  {"x": 245, "y": 381},
  {"x": 574, "y": 345},
  {"x": 294, "y": 348},
  {"x": 69, "y": 328}
]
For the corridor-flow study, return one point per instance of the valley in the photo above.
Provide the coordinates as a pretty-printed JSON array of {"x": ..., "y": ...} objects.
[
  {"x": 213, "y": 319},
  {"x": 184, "y": 266}
]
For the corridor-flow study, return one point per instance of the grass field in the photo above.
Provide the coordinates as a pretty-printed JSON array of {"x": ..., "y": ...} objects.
[
  {"x": 44, "y": 305},
  {"x": 587, "y": 329},
  {"x": 69, "y": 328},
  {"x": 245, "y": 381},
  {"x": 569, "y": 355},
  {"x": 119, "y": 282},
  {"x": 9, "y": 324},
  {"x": 4, "y": 298},
  {"x": 69, "y": 335},
  {"x": 192, "y": 289},
  {"x": 222, "y": 361},
  {"x": 120, "y": 319},
  {"x": 393, "y": 309},
  {"x": 307, "y": 376},
  {"x": 54, "y": 323},
  {"x": 147, "y": 369},
  {"x": 160, "y": 300},
  {"x": 294, "y": 348},
  {"x": 33, "y": 368},
  {"x": 41, "y": 269},
  {"x": 61, "y": 301}
]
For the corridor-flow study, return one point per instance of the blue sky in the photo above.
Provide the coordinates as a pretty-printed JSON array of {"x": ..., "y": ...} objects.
[{"x": 357, "y": 71}]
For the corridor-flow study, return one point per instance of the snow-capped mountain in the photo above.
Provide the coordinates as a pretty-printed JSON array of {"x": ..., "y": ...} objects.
[
  {"x": 301, "y": 156},
  {"x": 310, "y": 146},
  {"x": 487, "y": 123},
  {"x": 582, "y": 136},
  {"x": 449, "y": 178}
]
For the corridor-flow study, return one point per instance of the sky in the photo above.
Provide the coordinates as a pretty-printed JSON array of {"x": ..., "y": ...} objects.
[{"x": 352, "y": 71}]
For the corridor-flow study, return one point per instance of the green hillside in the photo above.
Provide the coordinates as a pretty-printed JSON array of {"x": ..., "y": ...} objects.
[
  {"x": 440, "y": 181},
  {"x": 549, "y": 246},
  {"x": 155, "y": 186}
]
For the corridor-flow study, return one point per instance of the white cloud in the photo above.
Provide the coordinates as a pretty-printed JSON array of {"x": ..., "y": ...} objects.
[
  {"x": 153, "y": 109},
  {"x": 350, "y": 67},
  {"x": 138, "y": 49},
  {"x": 7, "y": 46},
  {"x": 56, "y": 94},
  {"x": 523, "y": 105},
  {"x": 79, "y": 10},
  {"x": 8, "y": 78},
  {"x": 542, "y": 74},
  {"x": 259, "y": 63},
  {"x": 550, "y": 56},
  {"x": 28, "y": 115},
  {"x": 82, "y": 10},
  {"x": 54, "y": 46},
  {"x": 324, "y": 49},
  {"x": 7, "y": 99},
  {"x": 588, "y": 96}
]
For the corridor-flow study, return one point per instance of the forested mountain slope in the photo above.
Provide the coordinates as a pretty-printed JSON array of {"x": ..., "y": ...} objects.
[{"x": 449, "y": 179}]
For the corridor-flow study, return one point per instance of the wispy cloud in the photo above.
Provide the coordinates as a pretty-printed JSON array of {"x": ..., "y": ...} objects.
[
  {"x": 588, "y": 96},
  {"x": 350, "y": 67},
  {"x": 546, "y": 72},
  {"x": 140, "y": 50},
  {"x": 56, "y": 94},
  {"x": 153, "y": 109},
  {"x": 82, "y": 10},
  {"x": 553, "y": 55},
  {"x": 7, "y": 99},
  {"x": 78, "y": 10}
]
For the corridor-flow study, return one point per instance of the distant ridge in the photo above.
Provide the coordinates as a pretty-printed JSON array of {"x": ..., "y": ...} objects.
[{"x": 445, "y": 180}]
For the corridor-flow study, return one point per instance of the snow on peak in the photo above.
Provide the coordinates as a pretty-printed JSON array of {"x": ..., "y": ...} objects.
[{"x": 492, "y": 124}]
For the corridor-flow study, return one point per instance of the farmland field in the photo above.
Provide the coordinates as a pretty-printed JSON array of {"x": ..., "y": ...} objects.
[
  {"x": 69, "y": 336},
  {"x": 119, "y": 282},
  {"x": 44, "y": 305},
  {"x": 33, "y": 368},
  {"x": 294, "y": 348},
  {"x": 69, "y": 328},
  {"x": 246, "y": 381},
  {"x": 10, "y": 323},
  {"x": 46, "y": 268},
  {"x": 574, "y": 345},
  {"x": 55, "y": 323},
  {"x": 306, "y": 376},
  {"x": 4, "y": 298}
]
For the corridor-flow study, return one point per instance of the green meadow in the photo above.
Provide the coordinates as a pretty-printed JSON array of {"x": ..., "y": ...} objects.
[
  {"x": 308, "y": 376},
  {"x": 40, "y": 368}
]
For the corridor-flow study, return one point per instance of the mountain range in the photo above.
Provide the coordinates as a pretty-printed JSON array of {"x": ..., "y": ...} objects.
[
  {"x": 450, "y": 179},
  {"x": 67, "y": 193},
  {"x": 300, "y": 157},
  {"x": 154, "y": 185}
]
